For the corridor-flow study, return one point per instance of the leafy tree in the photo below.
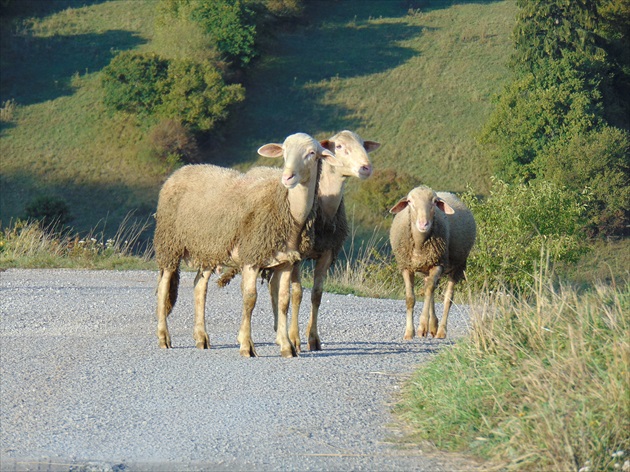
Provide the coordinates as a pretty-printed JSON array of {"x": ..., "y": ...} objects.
[
  {"x": 553, "y": 118},
  {"x": 131, "y": 82},
  {"x": 196, "y": 94},
  {"x": 551, "y": 29},
  {"x": 519, "y": 221},
  {"x": 228, "y": 23}
]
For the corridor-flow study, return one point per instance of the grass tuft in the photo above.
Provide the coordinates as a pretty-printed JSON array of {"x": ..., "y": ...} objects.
[
  {"x": 28, "y": 244},
  {"x": 542, "y": 382}
]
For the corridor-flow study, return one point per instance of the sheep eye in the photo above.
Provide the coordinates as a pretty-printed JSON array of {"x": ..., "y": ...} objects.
[{"x": 338, "y": 146}]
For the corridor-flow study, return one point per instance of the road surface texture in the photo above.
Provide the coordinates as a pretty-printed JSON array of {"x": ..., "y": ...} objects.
[{"x": 84, "y": 386}]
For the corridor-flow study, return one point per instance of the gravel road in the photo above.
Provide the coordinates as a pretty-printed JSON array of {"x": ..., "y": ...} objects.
[{"x": 84, "y": 386}]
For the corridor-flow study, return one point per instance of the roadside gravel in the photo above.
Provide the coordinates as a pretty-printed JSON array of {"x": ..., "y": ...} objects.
[{"x": 84, "y": 385}]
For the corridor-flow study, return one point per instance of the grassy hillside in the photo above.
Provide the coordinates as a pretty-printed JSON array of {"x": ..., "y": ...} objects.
[{"x": 417, "y": 79}]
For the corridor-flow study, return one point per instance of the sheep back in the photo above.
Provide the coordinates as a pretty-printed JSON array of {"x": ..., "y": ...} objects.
[
  {"x": 205, "y": 212},
  {"x": 462, "y": 234}
]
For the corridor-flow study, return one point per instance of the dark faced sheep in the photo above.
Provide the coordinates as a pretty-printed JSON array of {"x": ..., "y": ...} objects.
[
  {"x": 432, "y": 233},
  {"x": 331, "y": 227},
  {"x": 216, "y": 217}
]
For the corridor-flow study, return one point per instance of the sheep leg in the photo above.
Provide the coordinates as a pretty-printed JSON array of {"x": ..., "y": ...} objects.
[
  {"x": 319, "y": 276},
  {"x": 164, "y": 283},
  {"x": 248, "y": 290},
  {"x": 448, "y": 299},
  {"x": 296, "y": 301},
  {"x": 273, "y": 292},
  {"x": 410, "y": 299},
  {"x": 201, "y": 288},
  {"x": 286, "y": 347},
  {"x": 428, "y": 320}
]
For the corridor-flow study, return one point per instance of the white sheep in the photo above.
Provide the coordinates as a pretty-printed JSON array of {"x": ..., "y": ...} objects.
[
  {"x": 432, "y": 233},
  {"x": 331, "y": 227},
  {"x": 216, "y": 217}
]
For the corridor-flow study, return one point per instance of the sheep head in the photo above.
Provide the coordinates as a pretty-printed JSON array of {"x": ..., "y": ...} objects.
[
  {"x": 422, "y": 202},
  {"x": 300, "y": 152},
  {"x": 352, "y": 152}
]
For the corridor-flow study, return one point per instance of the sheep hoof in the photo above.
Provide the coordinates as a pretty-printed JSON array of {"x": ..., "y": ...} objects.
[
  {"x": 248, "y": 350},
  {"x": 314, "y": 344},
  {"x": 165, "y": 342},
  {"x": 202, "y": 344},
  {"x": 441, "y": 333},
  {"x": 288, "y": 352}
]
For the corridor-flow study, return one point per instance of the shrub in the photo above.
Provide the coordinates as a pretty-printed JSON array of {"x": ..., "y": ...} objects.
[
  {"x": 597, "y": 160},
  {"x": 169, "y": 137},
  {"x": 518, "y": 222},
  {"x": 49, "y": 210},
  {"x": 196, "y": 94},
  {"x": 132, "y": 82},
  {"x": 228, "y": 24}
]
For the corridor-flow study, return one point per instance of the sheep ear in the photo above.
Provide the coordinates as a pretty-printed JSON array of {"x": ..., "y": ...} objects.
[
  {"x": 371, "y": 145},
  {"x": 330, "y": 158},
  {"x": 328, "y": 144},
  {"x": 400, "y": 206},
  {"x": 445, "y": 207},
  {"x": 270, "y": 150}
]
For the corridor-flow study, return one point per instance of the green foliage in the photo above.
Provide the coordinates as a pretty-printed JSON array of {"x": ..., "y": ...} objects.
[
  {"x": 49, "y": 210},
  {"x": 534, "y": 112},
  {"x": 133, "y": 81},
  {"x": 598, "y": 160},
  {"x": 552, "y": 121},
  {"x": 190, "y": 92},
  {"x": 228, "y": 24},
  {"x": 196, "y": 94},
  {"x": 552, "y": 29},
  {"x": 517, "y": 224}
]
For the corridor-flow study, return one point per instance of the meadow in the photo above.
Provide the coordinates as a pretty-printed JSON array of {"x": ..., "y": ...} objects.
[{"x": 542, "y": 382}]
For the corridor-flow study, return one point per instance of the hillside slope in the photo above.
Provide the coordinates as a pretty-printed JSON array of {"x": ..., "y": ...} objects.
[{"x": 419, "y": 80}]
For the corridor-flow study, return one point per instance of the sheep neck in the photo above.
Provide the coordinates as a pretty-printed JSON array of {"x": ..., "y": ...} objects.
[
  {"x": 301, "y": 199},
  {"x": 330, "y": 194}
]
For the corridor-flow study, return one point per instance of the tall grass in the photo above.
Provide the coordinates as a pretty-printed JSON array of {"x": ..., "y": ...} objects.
[
  {"x": 28, "y": 244},
  {"x": 542, "y": 383}
]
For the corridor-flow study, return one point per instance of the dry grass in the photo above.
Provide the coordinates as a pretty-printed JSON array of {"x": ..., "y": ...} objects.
[
  {"x": 542, "y": 383},
  {"x": 27, "y": 244}
]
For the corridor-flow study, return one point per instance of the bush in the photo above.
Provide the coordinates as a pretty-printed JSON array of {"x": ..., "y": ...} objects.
[
  {"x": 169, "y": 137},
  {"x": 196, "y": 94},
  {"x": 132, "y": 82},
  {"x": 228, "y": 24},
  {"x": 516, "y": 224},
  {"x": 50, "y": 211},
  {"x": 597, "y": 160},
  {"x": 190, "y": 92}
]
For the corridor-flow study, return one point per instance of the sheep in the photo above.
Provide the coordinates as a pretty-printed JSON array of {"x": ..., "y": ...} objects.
[
  {"x": 216, "y": 217},
  {"x": 432, "y": 233},
  {"x": 331, "y": 228}
]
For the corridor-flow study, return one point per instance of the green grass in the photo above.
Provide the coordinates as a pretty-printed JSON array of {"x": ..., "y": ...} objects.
[
  {"x": 419, "y": 81},
  {"x": 541, "y": 384}
]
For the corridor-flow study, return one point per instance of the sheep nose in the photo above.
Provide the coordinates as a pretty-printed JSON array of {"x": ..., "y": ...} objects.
[
  {"x": 365, "y": 171},
  {"x": 423, "y": 226},
  {"x": 289, "y": 180}
]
